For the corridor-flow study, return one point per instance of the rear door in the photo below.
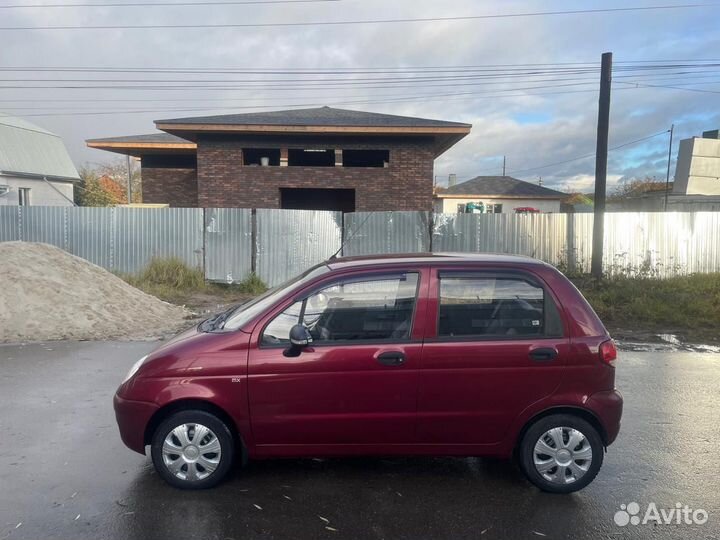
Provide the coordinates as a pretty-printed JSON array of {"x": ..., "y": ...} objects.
[
  {"x": 496, "y": 344},
  {"x": 357, "y": 381}
]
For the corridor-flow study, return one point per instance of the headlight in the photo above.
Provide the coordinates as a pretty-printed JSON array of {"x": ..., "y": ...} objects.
[{"x": 134, "y": 368}]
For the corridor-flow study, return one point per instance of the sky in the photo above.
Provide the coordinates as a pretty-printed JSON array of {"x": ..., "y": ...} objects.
[{"x": 548, "y": 117}]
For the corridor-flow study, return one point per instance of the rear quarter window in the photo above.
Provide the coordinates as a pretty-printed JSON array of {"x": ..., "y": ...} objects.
[{"x": 495, "y": 306}]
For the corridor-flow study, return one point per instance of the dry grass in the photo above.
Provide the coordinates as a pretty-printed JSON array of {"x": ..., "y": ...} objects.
[{"x": 173, "y": 281}]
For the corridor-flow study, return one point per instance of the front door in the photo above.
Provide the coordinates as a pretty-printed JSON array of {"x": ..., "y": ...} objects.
[
  {"x": 497, "y": 348},
  {"x": 356, "y": 383}
]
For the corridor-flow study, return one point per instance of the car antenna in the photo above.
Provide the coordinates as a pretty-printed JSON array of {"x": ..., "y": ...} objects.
[{"x": 350, "y": 237}]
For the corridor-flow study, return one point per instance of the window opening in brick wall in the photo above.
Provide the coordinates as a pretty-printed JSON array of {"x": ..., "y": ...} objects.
[
  {"x": 311, "y": 158},
  {"x": 366, "y": 158},
  {"x": 266, "y": 157}
]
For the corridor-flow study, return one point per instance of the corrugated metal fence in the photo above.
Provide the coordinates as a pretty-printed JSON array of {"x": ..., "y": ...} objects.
[{"x": 230, "y": 243}]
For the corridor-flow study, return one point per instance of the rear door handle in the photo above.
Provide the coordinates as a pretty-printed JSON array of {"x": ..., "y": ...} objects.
[
  {"x": 543, "y": 354},
  {"x": 391, "y": 358}
]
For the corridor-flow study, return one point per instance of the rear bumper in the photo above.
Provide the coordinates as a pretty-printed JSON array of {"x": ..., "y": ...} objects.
[
  {"x": 132, "y": 419},
  {"x": 607, "y": 406}
]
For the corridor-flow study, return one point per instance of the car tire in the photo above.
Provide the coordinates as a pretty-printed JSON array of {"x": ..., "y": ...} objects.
[
  {"x": 193, "y": 449},
  {"x": 561, "y": 453}
]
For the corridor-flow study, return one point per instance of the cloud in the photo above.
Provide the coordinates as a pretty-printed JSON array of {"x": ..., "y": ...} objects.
[{"x": 530, "y": 130}]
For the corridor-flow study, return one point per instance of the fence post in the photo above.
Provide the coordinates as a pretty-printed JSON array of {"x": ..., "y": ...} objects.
[
  {"x": 431, "y": 227},
  {"x": 20, "y": 223},
  {"x": 570, "y": 243},
  {"x": 342, "y": 234},
  {"x": 204, "y": 244},
  {"x": 253, "y": 241},
  {"x": 113, "y": 237},
  {"x": 66, "y": 239}
]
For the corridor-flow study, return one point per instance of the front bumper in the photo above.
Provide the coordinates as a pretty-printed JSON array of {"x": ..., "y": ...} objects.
[
  {"x": 608, "y": 407},
  {"x": 132, "y": 418}
]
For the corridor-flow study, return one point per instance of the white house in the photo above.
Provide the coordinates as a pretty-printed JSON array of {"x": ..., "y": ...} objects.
[
  {"x": 35, "y": 168},
  {"x": 498, "y": 194}
]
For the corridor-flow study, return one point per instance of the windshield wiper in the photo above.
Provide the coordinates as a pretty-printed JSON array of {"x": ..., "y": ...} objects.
[{"x": 216, "y": 322}]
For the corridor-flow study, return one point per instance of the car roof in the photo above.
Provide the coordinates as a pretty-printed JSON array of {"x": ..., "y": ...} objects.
[{"x": 431, "y": 258}]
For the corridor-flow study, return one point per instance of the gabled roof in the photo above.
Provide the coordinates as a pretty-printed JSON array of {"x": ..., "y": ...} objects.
[
  {"x": 320, "y": 116},
  {"x": 500, "y": 186},
  {"x": 31, "y": 151}
]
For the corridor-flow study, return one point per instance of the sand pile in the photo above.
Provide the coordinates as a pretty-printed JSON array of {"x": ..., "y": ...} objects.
[{"x": 47, "y": 294}]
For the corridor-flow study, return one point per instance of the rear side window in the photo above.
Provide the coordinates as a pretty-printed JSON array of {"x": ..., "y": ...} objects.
[
  {"x": 495, "y": 307},
  {"x": 351, "y": 310}
]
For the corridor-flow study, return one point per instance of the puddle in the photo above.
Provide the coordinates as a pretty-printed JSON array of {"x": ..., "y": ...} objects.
[
  {"x": 668, "y": 343},
  {"x": 670, "y": 338}
]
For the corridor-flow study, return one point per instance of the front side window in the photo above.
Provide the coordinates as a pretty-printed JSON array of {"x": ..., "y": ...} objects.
[
  {"x": 364, "y": 309},
  {"x": 495, "y": 307}
]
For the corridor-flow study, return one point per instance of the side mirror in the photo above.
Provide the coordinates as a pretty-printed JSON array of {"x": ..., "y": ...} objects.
[{"x": 300, "y": 336}]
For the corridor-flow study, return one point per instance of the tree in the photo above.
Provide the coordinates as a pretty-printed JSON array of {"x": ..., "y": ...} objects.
[
  {"x": 635, "y": 186},
  {"x": 94, "y": 190},
  {"x": 106, "y": 184},
  {"x": 117, "y": 171}
]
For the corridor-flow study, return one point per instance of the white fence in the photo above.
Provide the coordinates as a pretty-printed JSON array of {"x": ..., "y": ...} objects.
[{"x": 230, "y": 243}]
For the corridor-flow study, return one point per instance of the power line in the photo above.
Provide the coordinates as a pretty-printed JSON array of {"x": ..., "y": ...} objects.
[
  {"x": 463, "y": 96},
  {"x": 162, "y": 4},
  {"x": 701, "y": 90},
  {"x": 391, "y": 82},
  {"x": 300, "y": 105},
  {"x": 285, "y": 88},
  {"x": 509, "y": 69},
  {"x": 368, "y": 22},
  {"x": 586, "y": 156}
]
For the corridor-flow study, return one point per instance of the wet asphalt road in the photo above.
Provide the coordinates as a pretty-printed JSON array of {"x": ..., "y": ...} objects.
[{"x": 64, "y": 472}]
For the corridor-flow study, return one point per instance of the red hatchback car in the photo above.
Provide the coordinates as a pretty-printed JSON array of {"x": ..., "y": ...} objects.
[{"x": 442, "y": 354}]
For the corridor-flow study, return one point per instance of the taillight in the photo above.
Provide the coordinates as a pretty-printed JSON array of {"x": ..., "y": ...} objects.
[{"x": 608, "y": 352}]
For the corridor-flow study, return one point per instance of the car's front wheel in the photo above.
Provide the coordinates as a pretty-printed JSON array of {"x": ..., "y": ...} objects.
[
  {"x": 561, "y": 453},
  {"x": 192, "y": 449}
]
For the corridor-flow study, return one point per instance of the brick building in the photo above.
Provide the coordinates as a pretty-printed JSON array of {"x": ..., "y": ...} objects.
[{"x": 322, "y": 159}]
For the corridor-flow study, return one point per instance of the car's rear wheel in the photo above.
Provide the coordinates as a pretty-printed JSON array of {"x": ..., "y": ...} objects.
[
  {"x": 561, "y": 453},
  {"x": 192, "y": 449}
]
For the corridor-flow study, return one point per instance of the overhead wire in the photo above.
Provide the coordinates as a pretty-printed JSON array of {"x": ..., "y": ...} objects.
[
  {"x": 288, "y": 24},
  {"x": 586, "y": 156}
]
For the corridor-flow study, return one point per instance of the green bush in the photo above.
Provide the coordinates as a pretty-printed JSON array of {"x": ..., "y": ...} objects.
[{"x": 688, "y": 305}]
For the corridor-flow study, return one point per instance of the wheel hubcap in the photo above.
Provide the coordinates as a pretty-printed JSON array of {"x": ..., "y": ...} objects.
[
  {"x": 191, "y": 452},
  {"x": 562, "y": 455}
]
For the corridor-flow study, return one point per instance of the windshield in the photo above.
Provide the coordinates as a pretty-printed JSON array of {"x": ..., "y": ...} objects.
[{"x": 244, "y": 313}]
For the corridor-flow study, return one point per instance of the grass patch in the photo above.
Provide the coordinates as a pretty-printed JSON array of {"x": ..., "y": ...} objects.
[
  {"x": 172, "y": 280},
  {"x": 252, "y": 285},
  {"x": 686, "y": 305}
]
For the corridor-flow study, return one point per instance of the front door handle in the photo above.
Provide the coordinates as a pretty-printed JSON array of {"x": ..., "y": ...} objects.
[
  {"x": 543, "y": 354},
  {"x": 391, "y": 358}
]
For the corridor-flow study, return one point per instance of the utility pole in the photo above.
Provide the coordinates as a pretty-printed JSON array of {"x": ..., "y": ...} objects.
[
  {"x": 667, "y": 176},
  {"x": 503, "y": 165},
  {"x": 129, "y": 176},
  {"x": 601, "y": 154}
]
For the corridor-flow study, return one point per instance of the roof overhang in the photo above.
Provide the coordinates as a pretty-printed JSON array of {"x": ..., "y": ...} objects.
[
  {"x": 482, "y": 196},
  {"x": 139, "y": 148},
  {"x": 444, "y": 136}
]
